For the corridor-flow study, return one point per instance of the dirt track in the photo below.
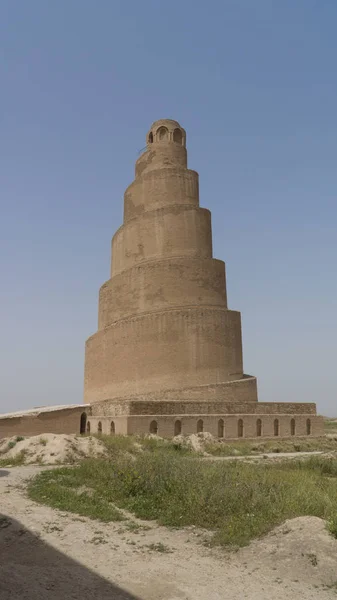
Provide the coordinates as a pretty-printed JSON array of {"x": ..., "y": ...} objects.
[{"x": 54, "y": 555}]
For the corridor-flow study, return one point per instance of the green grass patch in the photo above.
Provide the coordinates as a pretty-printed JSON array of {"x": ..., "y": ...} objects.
[
  {"x": 14, "y": 461},
  {"x": 65, "y": 489},
  {"x": 330, "y": 425},
  {"x": 235, "y": 500},
  {"x": 120, "y": 444},
  {"x": 116, "y": 444}
]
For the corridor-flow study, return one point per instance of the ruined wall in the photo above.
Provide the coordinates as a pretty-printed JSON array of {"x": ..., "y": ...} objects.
[{"x": 58, "y": 421}]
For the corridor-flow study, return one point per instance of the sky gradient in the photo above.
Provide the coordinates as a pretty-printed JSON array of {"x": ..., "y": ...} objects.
[{"x": 255, "y": 86}]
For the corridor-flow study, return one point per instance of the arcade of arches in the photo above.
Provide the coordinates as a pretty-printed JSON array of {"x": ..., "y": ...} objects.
[{"x": 245, "y": 428}]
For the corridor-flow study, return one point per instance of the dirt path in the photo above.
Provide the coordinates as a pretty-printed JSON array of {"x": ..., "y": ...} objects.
[
  {"x": 50, "y": 554},
  {"x": 268, "y": 455}
]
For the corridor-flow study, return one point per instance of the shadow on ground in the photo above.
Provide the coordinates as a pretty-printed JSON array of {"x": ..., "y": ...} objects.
[
  {"x": 4, "y": 473},
  {"x": 30, "y": 569}
]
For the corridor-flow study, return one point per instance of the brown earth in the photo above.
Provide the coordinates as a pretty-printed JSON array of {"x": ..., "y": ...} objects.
[{"x": 50, "y": 554}]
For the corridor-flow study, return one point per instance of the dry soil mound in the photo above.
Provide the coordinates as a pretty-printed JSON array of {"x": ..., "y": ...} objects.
[
  {"x": 195, "y": 441},
  {"x": 51, "y": 448},
  {"x": 301, "y": 549}
]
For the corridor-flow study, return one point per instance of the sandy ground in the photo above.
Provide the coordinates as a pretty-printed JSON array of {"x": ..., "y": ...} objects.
[
  {"x": 47, "y": 554},
  {"x": 271, "y": 456},
  {"x": 51, "y": 448}
]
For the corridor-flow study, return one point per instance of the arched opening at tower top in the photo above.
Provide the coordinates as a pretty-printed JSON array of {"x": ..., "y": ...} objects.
[
  {"x": 150, "y": 140},
  {"x": 162, "y": 134},
  {"x": 83, "y": 423},
  {"x": 178, "y": 136}
]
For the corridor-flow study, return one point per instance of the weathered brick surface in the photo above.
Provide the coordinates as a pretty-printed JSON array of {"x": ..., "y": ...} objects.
[
  {"x": 305, "y": 424},
  {"x": 161, "y": 285},
  {"x": 151, "y": 237},
  {"x": 57, "y": 421},
  {"x": 160, "y": 188},
  {"x": 163, "y": 350},
  {"x": 145, "y": 407}
]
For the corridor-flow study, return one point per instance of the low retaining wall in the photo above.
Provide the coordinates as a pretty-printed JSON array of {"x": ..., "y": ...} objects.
[
  {"x": 65, "y": 420},
  {"x": 226, "y": 426}
]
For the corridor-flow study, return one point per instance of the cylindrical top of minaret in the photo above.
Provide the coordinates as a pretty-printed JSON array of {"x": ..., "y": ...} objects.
[
  {"x": 166, "y": 130},
  {"x": 165, "y": 147}
]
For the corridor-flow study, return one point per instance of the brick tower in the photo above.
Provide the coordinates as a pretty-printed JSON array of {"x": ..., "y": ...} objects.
[{"x": 167, "y": 345}]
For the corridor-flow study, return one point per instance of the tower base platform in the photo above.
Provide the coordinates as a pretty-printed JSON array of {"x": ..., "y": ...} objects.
[{"x": 228, "y": 420}]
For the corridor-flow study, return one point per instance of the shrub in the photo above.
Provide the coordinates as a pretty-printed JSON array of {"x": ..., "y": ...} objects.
[
  {"x": 236, "y": 500},
  {"x": 14, "y": 461}
]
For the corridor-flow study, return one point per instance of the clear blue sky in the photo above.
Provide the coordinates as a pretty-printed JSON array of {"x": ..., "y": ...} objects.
[{"x": 254, "y": 83}]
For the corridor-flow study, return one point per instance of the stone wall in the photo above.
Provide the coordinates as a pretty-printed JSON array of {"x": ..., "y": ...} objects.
[
  {"x": 160, "y": 187},
  {"x": 163, "y": 350},
  {"x": 145, "y": 407},
  {"x": 140, "y": 418},
  {"x": 229, "y": 427},
  {"x": 58, "y": 421},
  {"x": 159, "y": 285},
  {"x": 150, "y": 237}
]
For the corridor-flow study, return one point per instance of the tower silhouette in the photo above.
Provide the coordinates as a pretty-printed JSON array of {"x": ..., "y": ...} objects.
[{"x": 167, "y": 344}]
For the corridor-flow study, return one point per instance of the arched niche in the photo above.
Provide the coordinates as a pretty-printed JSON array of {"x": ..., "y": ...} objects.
[
  {"x": 154, "y": 427},
  {"x": 178, "y": 136},
  {"x": 83, "y": 423},
  {"x": 162, "y": 134},
  {"x": 177, "y": 427}
]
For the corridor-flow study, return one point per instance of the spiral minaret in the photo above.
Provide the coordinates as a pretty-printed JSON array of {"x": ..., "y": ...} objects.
[
  {"x": 164, "y": 326},
  {"x": 167, "y": 356}
]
